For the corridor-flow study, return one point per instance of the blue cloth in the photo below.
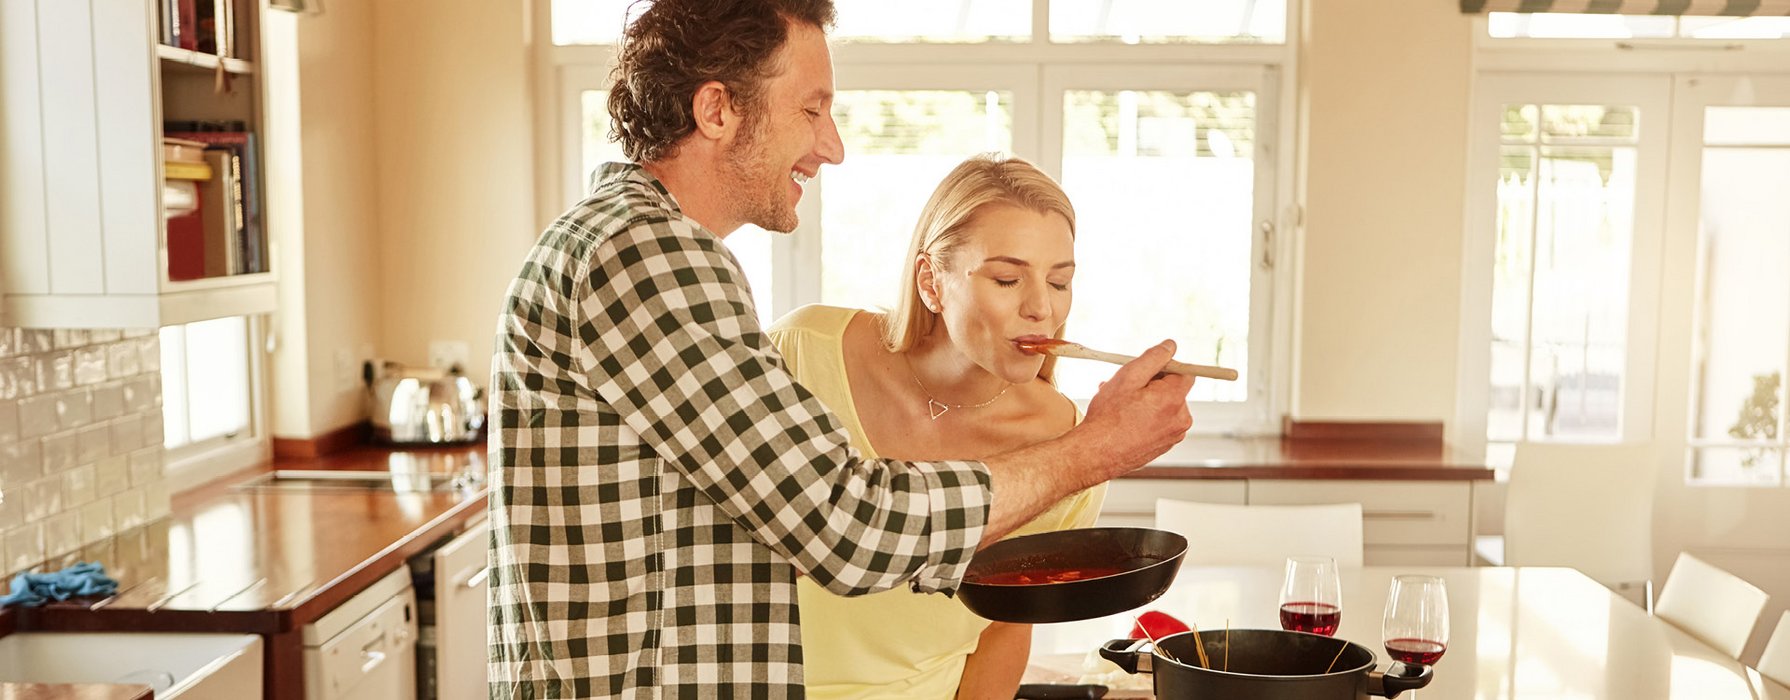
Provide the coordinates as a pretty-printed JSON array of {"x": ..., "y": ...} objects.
[{"x": 82, "y": 579}]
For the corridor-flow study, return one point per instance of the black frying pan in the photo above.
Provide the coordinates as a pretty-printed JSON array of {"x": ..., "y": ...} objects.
[{"x": 1145, "y": 562}]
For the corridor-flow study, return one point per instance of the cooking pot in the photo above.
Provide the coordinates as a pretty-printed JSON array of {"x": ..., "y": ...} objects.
[
  {"x": 425, "y": 405},
  {"x": 1263, "y": 665},
  {"x": 1117, "y": 569}
]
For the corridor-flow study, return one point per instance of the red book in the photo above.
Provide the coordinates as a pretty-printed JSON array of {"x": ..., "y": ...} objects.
[
  {"x": 187, "y": 32},
  {"x": 186, "y": 244}
]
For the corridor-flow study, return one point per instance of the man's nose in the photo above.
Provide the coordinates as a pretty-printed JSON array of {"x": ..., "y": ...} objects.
[{"x": 830, "y": 148}]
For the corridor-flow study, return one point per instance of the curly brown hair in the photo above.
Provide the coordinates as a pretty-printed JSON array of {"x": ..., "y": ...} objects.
[{"x": 676, "y": 46}]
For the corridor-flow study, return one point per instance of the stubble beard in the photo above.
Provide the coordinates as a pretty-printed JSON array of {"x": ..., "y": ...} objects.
[{"x": 756, "y": 184}]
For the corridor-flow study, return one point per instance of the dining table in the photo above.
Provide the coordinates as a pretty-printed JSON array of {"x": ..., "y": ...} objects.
[{"x": 1515, "y": 632}]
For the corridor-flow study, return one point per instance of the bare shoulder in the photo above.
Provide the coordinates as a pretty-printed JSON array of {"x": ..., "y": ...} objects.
[{"x": 1047, "y": 408}]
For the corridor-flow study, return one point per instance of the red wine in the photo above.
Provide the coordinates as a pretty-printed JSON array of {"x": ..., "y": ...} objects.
[
  {"x": 1415, "y": 651},
  {"x": 1316, "y": 618}
]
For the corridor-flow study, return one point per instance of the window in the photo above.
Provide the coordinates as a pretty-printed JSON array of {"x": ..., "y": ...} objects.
[
  {"x": 1742, "y": 307},
  {"x": 1625, "y": 247},
  {"x": 1170, "y": 161},
  {"x": 210, "y": 424}
]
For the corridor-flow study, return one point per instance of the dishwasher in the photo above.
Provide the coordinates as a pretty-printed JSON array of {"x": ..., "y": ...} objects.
[
  {"x": 450, "y": 582},
  {"x": 365, "y": 649}
]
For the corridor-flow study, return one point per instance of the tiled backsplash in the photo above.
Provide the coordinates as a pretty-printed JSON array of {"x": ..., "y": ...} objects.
[{"x": 80, "y": 439}]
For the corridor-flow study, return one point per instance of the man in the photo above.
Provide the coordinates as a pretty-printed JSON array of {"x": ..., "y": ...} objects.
[{"x": 659, "y": 481}]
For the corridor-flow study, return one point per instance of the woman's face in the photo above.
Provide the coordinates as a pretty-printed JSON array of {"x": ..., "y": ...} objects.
[{"x": 1008, "y": 279}]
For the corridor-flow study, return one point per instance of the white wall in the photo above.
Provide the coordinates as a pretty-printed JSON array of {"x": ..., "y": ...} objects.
[
  {"x": 1386, "y": 87},
  {"x": 456, "y": 171},
  {"x": 330, "y": 315}
]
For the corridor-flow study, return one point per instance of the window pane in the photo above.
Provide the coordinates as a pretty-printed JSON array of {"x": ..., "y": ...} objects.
[
  {"x": 1746, "y": 126},
  {"x": 1153, "y": 21},
  {"x": 590, "y": 21},
  {"x": 1510, "y": 291},
  {"x": 597, "y": 148},
  {"x": 1563, "y": 25},
  {"x": 1737, "y": 466},
  {"x": 215, "y": 383},
  {"x": 898, "y": 145},
  {"x": 934, "y": 21},
  {"x": 1560, "y": 294},
  {"x": 175, "y": 430},
  {"x": 1743, "y": 307},
  {"x": 1123, "y": 149}
]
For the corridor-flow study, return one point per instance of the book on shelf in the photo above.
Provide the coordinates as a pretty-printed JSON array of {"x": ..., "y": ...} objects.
[
  {"x": 248, "y": 237},
  {"x": 206, "y": 26}
]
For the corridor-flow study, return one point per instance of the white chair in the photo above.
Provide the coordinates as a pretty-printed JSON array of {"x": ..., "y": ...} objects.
[
  {"x": 1221, "y": 534},
  {"x": 1588, "y": 507},
  {"x": 1775, "y": 662},
  {"x": 1710, "y": 604}
]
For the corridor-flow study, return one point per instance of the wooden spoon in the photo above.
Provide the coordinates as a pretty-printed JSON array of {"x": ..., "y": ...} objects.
[{"x": 1064, "y": 348}]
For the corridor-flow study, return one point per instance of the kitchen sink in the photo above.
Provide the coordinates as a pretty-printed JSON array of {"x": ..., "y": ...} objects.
[
  {"x": 328, "y": 479},
  {"x": 174, "y": 665}
]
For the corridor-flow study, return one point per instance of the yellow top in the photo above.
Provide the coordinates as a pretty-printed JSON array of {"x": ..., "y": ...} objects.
[{"x": 894, "y": 644}]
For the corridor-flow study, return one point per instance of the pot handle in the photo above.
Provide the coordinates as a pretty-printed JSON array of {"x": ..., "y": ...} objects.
[
  {"x": 1125, "y": 653},
  {"x": 1389, "y": 685}
]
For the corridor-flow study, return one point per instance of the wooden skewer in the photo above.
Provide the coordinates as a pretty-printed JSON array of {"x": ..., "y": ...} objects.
[
  {"x": 1199, "y": 646},
  {"x": 1064, "y": 348},
  {"x": 1345, "y": 647},
  {"x": 1165, "y": 653},
  {"x": 1227, "y": 644}
]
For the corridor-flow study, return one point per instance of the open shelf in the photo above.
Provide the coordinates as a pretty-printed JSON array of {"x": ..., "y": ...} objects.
[{"x": 204, "y": 61}]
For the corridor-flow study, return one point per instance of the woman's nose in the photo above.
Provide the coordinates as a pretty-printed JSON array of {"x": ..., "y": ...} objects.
[{"x": 1036, "y": 305}]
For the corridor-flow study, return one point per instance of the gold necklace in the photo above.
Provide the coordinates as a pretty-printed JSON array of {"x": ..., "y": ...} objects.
[{"x": 937, "y": 408}]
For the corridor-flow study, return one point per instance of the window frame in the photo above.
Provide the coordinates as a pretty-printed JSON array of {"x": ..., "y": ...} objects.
[
  {"x": 197, "y": 463},
  {"x": 1030, "y": 71}
]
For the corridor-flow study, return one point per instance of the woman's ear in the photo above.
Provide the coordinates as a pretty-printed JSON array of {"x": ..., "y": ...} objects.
[
  {"x": 713, "y": 110},
  {"x": 926, "y": 283}
]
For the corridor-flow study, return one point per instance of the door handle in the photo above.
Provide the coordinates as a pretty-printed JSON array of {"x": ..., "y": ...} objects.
[{"x": 474, "y": 579}]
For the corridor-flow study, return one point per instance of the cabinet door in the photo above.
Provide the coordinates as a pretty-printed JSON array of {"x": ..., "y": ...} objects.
[
  {"x": 1403, "y": 522},
  {"x": 460, "y": 579},
  {"x": 1132, "y": 502}
]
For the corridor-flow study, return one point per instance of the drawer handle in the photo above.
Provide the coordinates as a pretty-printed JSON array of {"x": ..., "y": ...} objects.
[
  {"x": 1400, "y": 514},
  {"x": 371, "y": 659},
  {"x": 473, "y": 580}
]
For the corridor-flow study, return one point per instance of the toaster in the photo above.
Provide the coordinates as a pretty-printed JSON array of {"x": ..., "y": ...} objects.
[{"x": 425, "y": 405}]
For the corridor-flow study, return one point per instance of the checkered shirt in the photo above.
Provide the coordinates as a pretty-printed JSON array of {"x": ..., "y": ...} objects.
[{"x": 659, "y": 479}]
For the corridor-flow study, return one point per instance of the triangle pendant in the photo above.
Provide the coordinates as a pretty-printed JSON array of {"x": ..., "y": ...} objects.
[{"x": 936, "y": 409}]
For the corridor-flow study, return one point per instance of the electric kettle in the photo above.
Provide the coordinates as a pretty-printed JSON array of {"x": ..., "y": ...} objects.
[{"x": 424, "y": 405}]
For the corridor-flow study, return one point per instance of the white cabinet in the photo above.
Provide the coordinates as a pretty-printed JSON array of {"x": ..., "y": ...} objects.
[
  {"x": 82, "y": 243},
  {"x": 365, "y": 649},
  {"x": 1132, "y": 502},
  {"x": 457, "y": 637},
  {"x": 1404, "y": 523}
]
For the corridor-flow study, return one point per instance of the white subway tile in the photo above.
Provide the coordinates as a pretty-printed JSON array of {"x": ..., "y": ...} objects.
[
  {"x": 62, "y": 533},
  {"x": 153, "y": 428},
  {"x": 18, "y": 378},
  {"x": 61, "y": 452},
  {"x": 149, "y": 353},
  {"x": 37, "y": 416},
  {"x": 43, "y": 497},
  {"x": 97, "y": 521},
  {"x": 74, "y": 409},
  {"x": 78, "y": 486},
  {"x": 146, "y": 466},
  {"x": 127, "y": 435},
  {"x": 122, "y": 360},
  {"x": 9, "y": 345},
  {"x": 90, "y": 365},
  {"x": 112, "y": 475},
  {"x": 24, "y": 547},
  {"x": 21, "y": 462},
  {"x": 108, "y": 401},
  {"x": 68, "y": 337},
  {"x": 95, "y": 443},
  {"x": 128, "y": 510},
  {"x": 12, "y": 510},
  {"x": 35, "y": 340},
  {"x": 108, "y": 336},
  {"x": 155, "y": 500},
  {"x": 56, "y": 371},
  {"x": 9, "y": 420},
  {"x": 141, "y": 394}
]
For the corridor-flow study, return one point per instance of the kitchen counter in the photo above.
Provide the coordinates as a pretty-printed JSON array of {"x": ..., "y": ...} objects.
[
  {"x": 72, "y": 691},
  {"x": 1314, "y": 458},
  {"x": 250, "y": 556}
]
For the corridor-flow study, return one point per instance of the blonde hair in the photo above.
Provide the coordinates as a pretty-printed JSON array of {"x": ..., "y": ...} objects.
[{"x": 982, "y": 180}]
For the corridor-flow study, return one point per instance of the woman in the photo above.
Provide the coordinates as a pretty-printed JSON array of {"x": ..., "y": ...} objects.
[{"x": 941, "y": 377}]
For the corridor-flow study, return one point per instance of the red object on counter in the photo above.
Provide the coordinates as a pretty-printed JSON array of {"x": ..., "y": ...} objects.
[{"x": 1159, "y": 624}]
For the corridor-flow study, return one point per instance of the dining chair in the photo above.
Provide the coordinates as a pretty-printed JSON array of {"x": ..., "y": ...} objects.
[
  {"x": 1710, "y": 604},
  {"x": 1775, "y": 662},
  {"x": 1588, "y": 507},
  {"x": 1222, "y": 534}
]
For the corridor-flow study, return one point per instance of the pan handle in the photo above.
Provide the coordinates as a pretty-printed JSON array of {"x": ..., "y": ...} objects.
[
  {"x": 1389, "y": 685},
  {"x": 1126, "y": 653}
]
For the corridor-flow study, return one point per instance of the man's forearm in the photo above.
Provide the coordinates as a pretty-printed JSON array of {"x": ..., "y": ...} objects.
[{"x": 1029, "y": 480}]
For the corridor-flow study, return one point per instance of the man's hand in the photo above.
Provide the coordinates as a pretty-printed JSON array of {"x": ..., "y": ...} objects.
[{"x": 1138, "y": 414}]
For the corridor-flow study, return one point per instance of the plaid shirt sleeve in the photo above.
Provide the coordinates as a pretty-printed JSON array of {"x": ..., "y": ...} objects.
[{"x": 687, "y": 366}]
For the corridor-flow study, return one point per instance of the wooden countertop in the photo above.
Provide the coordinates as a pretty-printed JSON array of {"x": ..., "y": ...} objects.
[
  {"x": 267, "y": 559},
  {"x": 1314, "y": 458},
  {"x": 72, "y": 691}
]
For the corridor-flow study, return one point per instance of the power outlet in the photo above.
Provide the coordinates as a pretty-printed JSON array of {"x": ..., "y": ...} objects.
[{"x": 445, "y": 354}]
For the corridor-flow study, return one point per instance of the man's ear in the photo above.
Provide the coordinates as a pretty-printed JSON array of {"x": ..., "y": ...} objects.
[{"x": 713, "y": 108}]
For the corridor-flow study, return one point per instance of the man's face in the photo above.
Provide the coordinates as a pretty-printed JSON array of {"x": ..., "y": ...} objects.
[{"x": 784, "y": 145}]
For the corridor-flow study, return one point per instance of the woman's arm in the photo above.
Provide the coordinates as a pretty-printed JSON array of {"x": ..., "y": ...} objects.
[{"x": 999, "y": 661}]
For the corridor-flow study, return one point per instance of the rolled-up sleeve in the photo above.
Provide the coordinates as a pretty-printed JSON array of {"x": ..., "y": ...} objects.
[{"x": 671, "y": 339}]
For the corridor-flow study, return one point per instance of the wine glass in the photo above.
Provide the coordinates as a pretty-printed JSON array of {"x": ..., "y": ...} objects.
[
  {"x": 1415, "y": 627},
  {"x": 1311, "y": 597}
]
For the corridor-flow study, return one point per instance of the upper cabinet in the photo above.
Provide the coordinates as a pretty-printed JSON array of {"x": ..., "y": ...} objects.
[{"x": 103, "y": 223}]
